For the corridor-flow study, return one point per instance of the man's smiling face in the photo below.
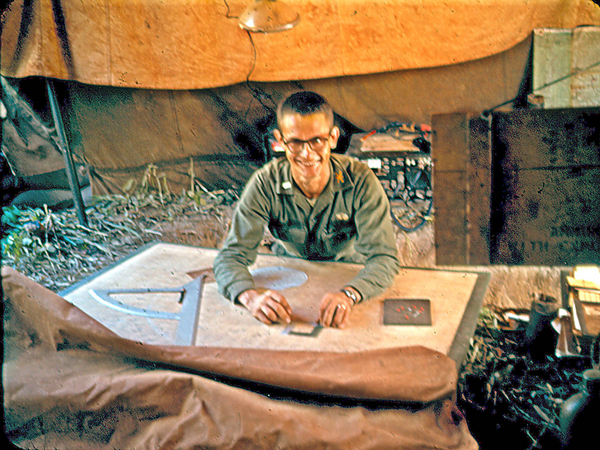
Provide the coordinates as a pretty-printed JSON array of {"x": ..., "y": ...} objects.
[{"x": 308, "y": 140}]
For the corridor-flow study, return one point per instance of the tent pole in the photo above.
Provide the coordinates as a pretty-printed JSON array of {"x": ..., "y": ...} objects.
[{"x": 62, "y": 139}]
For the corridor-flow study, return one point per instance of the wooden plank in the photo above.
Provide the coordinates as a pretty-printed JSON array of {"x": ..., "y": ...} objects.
[
  {"x": 479, "y": 190},
  {"x": 449, "y": 142},
  {"x": 462, "y": 183},
  {"x": 450, "y": 200},
  {"x": 449, "y": 154}
]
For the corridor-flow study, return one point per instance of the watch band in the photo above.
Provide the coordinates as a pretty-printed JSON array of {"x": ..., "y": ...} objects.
[{"x": 351, "y": 295}]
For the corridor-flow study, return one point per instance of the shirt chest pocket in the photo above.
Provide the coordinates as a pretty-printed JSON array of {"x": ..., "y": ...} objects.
[
  {"x": 292, "y": 231},
  {"x": 339, "y": 231}
]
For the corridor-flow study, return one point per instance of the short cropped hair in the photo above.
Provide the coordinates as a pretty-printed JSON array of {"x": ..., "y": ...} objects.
[{"x": 304, "y": 103}]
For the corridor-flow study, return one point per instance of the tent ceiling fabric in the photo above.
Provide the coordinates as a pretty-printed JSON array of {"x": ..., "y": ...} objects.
[
  {"x": 222, "y": 129},
  {"x": 197, "y": 44}
]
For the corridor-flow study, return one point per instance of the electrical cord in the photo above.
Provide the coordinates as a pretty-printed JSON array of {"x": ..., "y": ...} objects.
[{"x": 258, "y": 94}]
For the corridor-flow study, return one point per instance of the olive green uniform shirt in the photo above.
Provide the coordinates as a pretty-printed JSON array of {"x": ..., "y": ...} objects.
[{"x": 350, "y": 221}]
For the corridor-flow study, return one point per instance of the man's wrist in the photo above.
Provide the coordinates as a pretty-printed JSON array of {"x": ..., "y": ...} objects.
[
  {"x": 352, "y": 294},
  {"x": 243, "y": 297},
  {"x": 235, "y": 289}
]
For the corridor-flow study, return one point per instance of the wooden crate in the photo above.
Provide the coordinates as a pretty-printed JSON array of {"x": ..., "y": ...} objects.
[
  {"x": 566, "y": 67},
  {"x": 523, "y": 189}
]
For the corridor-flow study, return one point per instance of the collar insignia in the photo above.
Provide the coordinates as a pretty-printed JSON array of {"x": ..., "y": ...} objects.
[{"x": 339, "y": 177}]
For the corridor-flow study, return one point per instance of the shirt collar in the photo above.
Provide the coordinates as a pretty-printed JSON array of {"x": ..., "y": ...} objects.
[
  {"x": 340, "y": 177},
  {"x": 283, "y": 177}
]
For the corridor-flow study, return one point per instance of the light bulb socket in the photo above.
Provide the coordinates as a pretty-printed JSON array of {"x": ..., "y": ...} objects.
[{"x": 268, "y": 16}]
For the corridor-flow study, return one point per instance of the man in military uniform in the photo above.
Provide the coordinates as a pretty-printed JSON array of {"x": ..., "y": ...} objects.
[{"x": 318, "y": 206}]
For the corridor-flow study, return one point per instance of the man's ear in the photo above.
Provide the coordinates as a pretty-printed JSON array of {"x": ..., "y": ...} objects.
[
  {"x": 334, "y": 136},
  {"x": 278, "y": 135}
]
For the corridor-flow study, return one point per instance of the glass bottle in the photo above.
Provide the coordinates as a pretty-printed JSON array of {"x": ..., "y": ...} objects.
[{"x": 540, "y": 336}]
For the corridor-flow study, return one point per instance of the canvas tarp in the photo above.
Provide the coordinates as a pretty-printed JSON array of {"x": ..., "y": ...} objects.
[
  {"x": 120, "y": 131},
  {"x": 178, "y": 86},
  {"x": 71, "y": 383},
  {"x": 196, "y": 44}
]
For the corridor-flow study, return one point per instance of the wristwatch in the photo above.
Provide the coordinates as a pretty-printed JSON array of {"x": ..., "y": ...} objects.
[{"x": 351, "y": 295}]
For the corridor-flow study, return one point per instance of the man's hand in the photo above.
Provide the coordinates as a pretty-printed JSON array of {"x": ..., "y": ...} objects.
[
  {"x": 335, "y": 310},
  {"x": 267, "y": 306}
]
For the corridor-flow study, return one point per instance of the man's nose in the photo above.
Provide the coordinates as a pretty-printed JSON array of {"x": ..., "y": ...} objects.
[{"x": 305, "y": 150}]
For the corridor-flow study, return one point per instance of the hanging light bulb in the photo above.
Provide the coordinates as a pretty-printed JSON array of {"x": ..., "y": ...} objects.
[{"x": 268, "y": 16}]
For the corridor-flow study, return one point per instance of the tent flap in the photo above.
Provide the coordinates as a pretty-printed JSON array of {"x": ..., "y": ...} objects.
[{"x": 197, "y": 44}]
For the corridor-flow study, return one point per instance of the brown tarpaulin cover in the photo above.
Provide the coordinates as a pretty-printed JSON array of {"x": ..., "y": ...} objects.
[
  {"x": 71, "y": 383},
  {"x": 194, "y": 44},
  {"x": 120, "y": 131},
  {"x": 123, "y": 130},
  {"x": 155, "y": 83}
]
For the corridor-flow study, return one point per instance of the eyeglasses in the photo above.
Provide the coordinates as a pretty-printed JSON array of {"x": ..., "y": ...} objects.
[{"x": 297, "y": 145}]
